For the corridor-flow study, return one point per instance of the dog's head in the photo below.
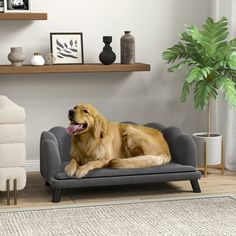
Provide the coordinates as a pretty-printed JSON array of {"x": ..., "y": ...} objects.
[{"x": 85, "y": 118}]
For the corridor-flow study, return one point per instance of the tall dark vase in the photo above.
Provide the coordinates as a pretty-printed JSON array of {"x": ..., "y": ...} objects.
[
  {"x": 107, "y": 56},
  {"x": 127, "y": 48}
]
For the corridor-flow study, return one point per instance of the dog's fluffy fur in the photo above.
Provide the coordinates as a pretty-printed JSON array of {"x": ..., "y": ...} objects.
[{"x": 98, "y": 143}]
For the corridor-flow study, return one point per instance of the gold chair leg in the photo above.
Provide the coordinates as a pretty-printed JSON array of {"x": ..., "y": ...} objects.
[
  {"x": 8, "y": 191},
  {"x": 15, "y": 190}
]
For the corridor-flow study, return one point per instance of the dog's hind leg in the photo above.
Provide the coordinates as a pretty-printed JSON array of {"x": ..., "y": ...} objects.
[
  {"x": 137, "y": 143},
  {"x": 139, "y": 161}
]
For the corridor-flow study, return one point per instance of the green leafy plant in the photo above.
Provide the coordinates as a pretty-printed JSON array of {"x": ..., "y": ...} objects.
[{"x": 212, "y": 63}]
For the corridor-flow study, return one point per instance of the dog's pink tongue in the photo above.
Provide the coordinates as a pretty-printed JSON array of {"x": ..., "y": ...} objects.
[{"x": 73, "y": 128}]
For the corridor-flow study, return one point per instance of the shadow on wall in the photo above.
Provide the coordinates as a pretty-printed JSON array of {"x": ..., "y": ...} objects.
[{"x": 71, "y": 85}]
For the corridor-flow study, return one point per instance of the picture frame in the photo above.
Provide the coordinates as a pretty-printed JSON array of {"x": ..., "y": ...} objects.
[
  {"x": 1, "y": 5},
  {"x": 67, "y": 48},
  {"x": 12, "y": 6}
]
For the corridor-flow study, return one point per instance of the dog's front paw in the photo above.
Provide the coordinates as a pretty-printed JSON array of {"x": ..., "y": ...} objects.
[
  {"x": 71, "y": 168},
  {"x": 81, "y": 172}
]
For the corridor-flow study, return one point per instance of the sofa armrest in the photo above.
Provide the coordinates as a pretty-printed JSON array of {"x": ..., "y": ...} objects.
[
  {"x": 186, "y": 151},
  {"x": 50, "y": 160},
  {"x": 182, "y": 147}
]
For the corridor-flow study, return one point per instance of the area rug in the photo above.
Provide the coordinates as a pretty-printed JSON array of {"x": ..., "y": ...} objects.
[{"x": 202, "y": 215}]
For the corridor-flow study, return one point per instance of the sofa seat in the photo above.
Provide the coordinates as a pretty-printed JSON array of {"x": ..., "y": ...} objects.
[{"x": 109, "y": 172}]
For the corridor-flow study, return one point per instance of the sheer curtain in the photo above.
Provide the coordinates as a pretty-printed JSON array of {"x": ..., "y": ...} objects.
[
  {"x": 228, "y": 127},
  {"x": 226, "y": 115}
]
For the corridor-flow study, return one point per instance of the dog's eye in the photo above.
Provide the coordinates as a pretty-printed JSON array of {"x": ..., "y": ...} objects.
[
  {"x": 85, "y": 111},
  {"x": 75, "y": 108}
]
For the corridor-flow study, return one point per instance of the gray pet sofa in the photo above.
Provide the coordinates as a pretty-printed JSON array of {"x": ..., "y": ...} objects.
[{"x": 54, "y": 155}]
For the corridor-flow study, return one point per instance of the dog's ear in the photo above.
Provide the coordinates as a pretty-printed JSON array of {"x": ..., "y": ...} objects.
[{"x": 100, "y": 126}]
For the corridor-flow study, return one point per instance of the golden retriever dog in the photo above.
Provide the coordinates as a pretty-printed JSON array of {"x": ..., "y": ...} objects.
[{"x": 97, "y": 143}]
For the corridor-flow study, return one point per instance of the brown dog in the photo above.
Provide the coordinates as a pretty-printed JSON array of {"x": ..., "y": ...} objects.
[{"x": 98, "y": 143}]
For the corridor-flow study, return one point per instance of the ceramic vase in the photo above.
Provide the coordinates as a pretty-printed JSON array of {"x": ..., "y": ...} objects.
[
  {"x": 16, "y": 56},
  {"x": 37, "y": 60},
  {"x": 107, "y": 56},
  {"x": 214, "y": 148},
  {"x": 127, "y": 48}
]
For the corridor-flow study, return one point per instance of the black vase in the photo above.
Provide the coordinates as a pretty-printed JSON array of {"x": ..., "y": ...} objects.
[{"x": 107, "y": 56}]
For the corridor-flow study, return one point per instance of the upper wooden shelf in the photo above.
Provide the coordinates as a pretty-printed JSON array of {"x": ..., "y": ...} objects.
[
  {"x": 23, "y": 16},
  {"x": 75, "y": 68}
]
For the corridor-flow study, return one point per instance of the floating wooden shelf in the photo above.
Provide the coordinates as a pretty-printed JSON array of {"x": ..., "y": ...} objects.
[
  {"x": 23, "y": 16},
  {"x": 85, "y": 68}
]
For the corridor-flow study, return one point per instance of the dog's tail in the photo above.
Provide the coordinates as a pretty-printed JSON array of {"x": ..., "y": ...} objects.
[{"x": 139, "y": 161}]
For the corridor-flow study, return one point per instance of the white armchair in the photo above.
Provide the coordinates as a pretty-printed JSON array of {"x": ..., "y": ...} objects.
[{"x": 12, "y": 147}]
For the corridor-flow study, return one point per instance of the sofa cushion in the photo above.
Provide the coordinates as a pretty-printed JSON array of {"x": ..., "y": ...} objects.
[{"x": 109, "y": 172}]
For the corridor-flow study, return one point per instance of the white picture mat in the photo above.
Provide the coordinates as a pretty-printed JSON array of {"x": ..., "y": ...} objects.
[{"x": 66, "y": 39}]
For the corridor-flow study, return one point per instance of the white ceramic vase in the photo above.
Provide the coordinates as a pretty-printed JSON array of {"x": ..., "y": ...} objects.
[
  {"x": 37, "y": 60},
  {"x": 213, "y": 151}
]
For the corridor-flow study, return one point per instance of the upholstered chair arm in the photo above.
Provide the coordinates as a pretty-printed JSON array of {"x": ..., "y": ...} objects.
[
  {"x": 50, "y": 160},
  {"x": 182, "y": 147}
]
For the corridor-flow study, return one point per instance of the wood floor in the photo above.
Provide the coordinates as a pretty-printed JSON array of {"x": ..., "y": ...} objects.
[{"x": 37, "y": 194}]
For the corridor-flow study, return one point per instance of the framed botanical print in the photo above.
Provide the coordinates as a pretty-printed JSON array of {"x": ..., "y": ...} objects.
[
  {"x": 67, "y": 48},
  {"x": 1, "y": 5}
]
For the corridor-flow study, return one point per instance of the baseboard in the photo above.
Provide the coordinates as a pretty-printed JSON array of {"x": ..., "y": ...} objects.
[{"x": 32, "y": 165}]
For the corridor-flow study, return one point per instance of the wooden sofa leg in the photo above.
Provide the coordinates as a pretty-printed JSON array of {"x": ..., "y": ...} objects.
[
  {"x": 56, "y": 195},
  {"x": 195, "y": 186}
]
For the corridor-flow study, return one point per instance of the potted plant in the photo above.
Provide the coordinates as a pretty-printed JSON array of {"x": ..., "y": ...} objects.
[{"x": 211, "y": 61}]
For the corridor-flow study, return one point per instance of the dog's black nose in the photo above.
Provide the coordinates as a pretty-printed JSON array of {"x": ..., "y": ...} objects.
[{"x": 71, "y": 113}]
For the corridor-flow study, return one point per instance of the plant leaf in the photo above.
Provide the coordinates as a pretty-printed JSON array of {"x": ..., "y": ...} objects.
[
  {"x": 228, "y": 87},
  {"x": 59, "y": 44},
  {"x": 196, "y": 74},
  {"x": 231, "y": 61},
  {"x": 229, "y": 73},
  {"x": 71, "y": 42},
  {"x": 175, "y": 52},
  {"x": 179, "y": 65},
  {"x": 74, "y": 50},
  {"x": 185, "y": 92},
  {"x": 68, "y": 55},
  {"x": 214, "y": 35},
  {"x": 204, "y": 90}
]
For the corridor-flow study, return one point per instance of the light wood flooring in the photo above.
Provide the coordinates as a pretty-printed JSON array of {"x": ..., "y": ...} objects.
[{"x": 37, "y": 194}]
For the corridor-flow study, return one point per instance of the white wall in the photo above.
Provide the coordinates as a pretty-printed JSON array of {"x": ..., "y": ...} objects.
[{"x": 139, "y": 96}]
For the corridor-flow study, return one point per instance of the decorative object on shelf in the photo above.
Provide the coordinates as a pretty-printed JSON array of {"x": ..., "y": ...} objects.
[
  {"x": 67, "y": 48},
  {"x": 17, "y": 5},
  {"x": 212, "y": 63},
  {"x": 107, "y": 56},
  {"x": 16, "y": 56},
  {"x": 1, "y": 5},
  {"x": 50, "y": 59},
  {"x": 127, "y": 48},
  {"x": 37, "y": 60}
]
